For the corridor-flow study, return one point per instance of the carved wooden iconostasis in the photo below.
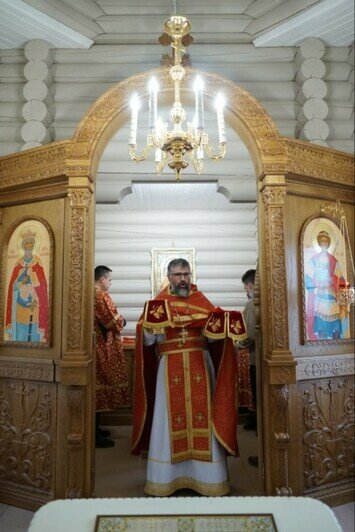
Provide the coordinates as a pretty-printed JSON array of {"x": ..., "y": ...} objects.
[
  {"x": 323, "y": 408},
  {"x": 46, "y": 411}
]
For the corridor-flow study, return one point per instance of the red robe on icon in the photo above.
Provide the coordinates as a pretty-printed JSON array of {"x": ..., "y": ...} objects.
[{"x": 24, "y": 316}]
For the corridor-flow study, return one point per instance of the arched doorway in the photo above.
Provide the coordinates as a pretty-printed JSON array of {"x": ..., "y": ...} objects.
[{"x": 260, "y": 136}]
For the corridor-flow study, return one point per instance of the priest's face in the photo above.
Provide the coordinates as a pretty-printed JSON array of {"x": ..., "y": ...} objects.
[{"x": 179, "y": 278}]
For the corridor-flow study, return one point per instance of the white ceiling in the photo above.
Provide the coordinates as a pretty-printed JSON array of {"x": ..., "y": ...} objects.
[
  {"x": 332, "y": 21},
  {"x": 176, "y": 196},
  {"x": 81, "y": 23}
]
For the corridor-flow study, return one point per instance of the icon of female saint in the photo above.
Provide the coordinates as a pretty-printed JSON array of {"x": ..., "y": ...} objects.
[{"x": 26, "y": 317}]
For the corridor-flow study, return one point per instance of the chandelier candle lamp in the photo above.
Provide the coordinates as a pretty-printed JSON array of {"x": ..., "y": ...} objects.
[{"x": 171, "y": 146}]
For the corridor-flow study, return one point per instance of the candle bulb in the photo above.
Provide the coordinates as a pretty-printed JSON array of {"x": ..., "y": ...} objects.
[
  {"x": 160, "y": 128},
  {"x": 199, "y": 153},
  {"x": 134, "y": 120},
  {"x": 220, "y": 119},
  {"x": 199, "y": 102},
  {"x": 158, "y": 155},
  {"x": 153, "y": 103}
]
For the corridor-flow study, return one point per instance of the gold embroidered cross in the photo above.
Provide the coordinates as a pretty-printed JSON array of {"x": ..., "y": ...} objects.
[
  {"x": 215, "y": 324},
  {"x": 179, "y": 419},
  {"x": 176, "y": 379},
  {"x": 237, "y": 327},
  {"x": 197, "y": 378},
  {"x": 157, "y": 311},
  {"x": 183, "y": 335},
  {"x": 200, "y": 417}
]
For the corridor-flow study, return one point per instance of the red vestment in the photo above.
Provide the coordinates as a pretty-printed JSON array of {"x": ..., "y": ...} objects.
[
  {"x": 193, "y": 413},
  {"x": 245, "y": 396},
  {"x": 111, "y": 373}
]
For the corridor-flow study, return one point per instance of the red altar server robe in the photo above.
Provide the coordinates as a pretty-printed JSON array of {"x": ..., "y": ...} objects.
[{"x": 111, "y": 372}]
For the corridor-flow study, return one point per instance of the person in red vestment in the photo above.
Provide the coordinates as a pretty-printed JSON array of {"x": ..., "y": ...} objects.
[
  {"x": 248, "y": 280},
  {"x": 26, "y": 317},
  {"x": 185, "y": 388},
  {"x": 111, "y": 372}
]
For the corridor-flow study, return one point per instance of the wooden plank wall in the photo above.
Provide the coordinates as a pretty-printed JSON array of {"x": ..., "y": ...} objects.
[{"x": 76, "y": 78}]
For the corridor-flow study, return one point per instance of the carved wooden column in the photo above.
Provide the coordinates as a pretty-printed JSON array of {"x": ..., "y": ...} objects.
[
  {"x": 74, "y": 371},
  {"x": 278, "y": 363}
]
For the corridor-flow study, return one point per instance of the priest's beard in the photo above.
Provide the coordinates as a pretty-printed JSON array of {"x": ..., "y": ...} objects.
[{"x": 182, "y": 290}]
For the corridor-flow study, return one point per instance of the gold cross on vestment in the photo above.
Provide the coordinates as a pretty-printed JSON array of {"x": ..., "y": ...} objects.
[
  {"x": 200, "y": 417},
  {"x": 179, "y": 419},
  {"x": 183, "y": 335}
]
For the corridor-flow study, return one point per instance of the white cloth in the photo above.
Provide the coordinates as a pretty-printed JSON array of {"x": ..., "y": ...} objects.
[
  {"x": 163, "y": 477},
  {"x": 291, "y": 514}
]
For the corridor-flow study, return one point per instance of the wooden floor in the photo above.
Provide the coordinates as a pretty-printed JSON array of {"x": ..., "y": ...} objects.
[{"x": 119, "y": 474}]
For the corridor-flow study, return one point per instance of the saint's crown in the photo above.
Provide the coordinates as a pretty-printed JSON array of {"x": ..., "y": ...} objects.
[{"x": 28, "y": 234}]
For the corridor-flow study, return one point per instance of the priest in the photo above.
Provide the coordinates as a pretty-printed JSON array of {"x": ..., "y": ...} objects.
[{"x": 185, "y": 388}]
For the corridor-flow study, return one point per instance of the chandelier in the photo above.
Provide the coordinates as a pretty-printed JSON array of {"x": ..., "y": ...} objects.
[{"x": 171, "y": 146}]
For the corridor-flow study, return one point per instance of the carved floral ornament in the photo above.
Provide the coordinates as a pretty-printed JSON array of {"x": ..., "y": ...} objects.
[
  {"x": 274, "y": 196},
  {"x": 27, "y": 439},
  {"x": 79, "y": 198},
  {"x": 328, "y": 428},
  {"x": 29, "y": 371},
  {"x": 318, "y": 162},
  {"x": 34, "y": 164},
  {"x": 79, "y": 202},
  {"x": 278, "y": 324},
  {"x": 311, "y": 368}
]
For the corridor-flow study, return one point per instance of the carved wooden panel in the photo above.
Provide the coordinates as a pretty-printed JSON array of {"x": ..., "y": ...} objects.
[
  {"x": 325, "y": 366},
  {"x": 76, "y": 407},
  {"x": 34, "y": 165},
  {"x": 279, "y": 410},
  {"x": 275, "y": 254},
  {"x": 307, "y": 159},
  {"x": 79, "y": 202},
  {"x": 31, "y": 370},
  {"x": 27, "y": 435},
  {"x": 328, "y": 431}
]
